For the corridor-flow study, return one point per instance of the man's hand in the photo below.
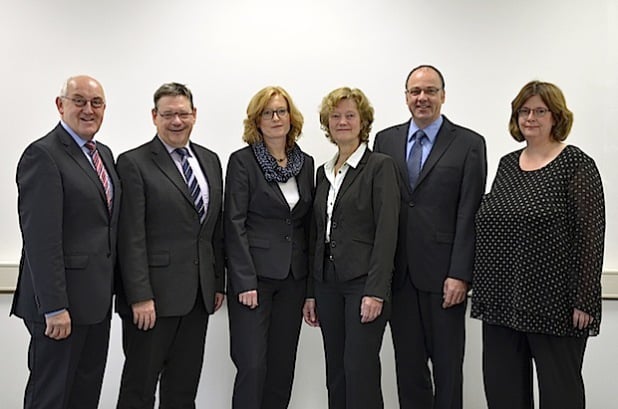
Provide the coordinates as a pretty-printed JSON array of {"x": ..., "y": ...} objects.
[
  {"x": 454, "y": 292},
  {"x": 249, "y": 298},
  {"x": 58, "y": 326},
  {"x": 144, "y": 314}
]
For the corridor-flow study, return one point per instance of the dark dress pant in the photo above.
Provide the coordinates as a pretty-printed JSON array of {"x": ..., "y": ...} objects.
[
  {"x": 170, "y": 354},
  {"x": 66, "y": 374},
  {"x": 352, "y": 349},
  {"x": 422, "y": 330},
  {"x": 264, "y": 342},
  {"x": 508, "y": 372}
]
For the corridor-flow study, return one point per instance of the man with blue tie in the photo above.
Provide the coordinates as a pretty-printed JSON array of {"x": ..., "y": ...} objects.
[
  {"x": 170, "y": 256},
  {"x": 442, "y": 180},
  {"x": 69, "y": 195}
]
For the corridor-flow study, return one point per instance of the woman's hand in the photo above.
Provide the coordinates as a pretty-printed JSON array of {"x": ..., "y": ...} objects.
[
  {"x": 371, "y": 308},
  {"x": 310, "y": 315},
  {"x": 581, "y": 319}
]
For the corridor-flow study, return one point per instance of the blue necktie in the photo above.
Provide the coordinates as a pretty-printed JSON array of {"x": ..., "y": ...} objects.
[
  {"x": 415, "y": 160},
  {"x": 194, "y": 187}
]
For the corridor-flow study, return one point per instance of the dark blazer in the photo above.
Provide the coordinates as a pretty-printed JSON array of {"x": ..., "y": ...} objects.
[
  {"x": 263, "y": 237},
  {"x": 69, "y": 236},
  {"x": 164, "y": 252},
  {"x": 363, "y": 226},
  {"x": 436, "y": 234}
]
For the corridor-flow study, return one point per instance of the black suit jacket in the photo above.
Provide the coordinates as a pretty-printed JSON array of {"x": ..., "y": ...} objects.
[
  {"x": 263, "y": 237},
  {"x": 69, "y": 236},
  {"x": 363, "y": 232},
  {"x": 164, "y": 252},
  {"x": 436, "y": 227}
]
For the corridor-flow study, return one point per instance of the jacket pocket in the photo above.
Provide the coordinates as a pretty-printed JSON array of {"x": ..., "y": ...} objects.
[
  {"x": 75, "y": 261},
  {"x": 158, "y": 259}
]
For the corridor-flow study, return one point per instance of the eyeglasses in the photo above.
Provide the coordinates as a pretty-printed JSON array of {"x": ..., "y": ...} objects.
[
  {"x": 538, "y": 112},
  {"x": 168, "y": 116},
  {"x": 270, "y": 113},
  {"x": 81, "y": 102},
  {"x": 431, "y": 91}
]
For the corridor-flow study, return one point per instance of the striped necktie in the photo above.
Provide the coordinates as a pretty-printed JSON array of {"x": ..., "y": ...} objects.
[
  {"x": 101, "y": 172},
  {"x": 194, "y": 187}
]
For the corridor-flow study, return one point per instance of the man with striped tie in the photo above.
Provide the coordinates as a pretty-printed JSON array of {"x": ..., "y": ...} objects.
[
  {"x": 170, "y": 256},
  {"x": 69, "y": 195}
]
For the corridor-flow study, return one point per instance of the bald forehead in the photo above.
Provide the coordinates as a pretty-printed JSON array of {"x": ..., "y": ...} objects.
[
  {"x": 425, "y": 73},
  {"x": 82, "y": 83}
]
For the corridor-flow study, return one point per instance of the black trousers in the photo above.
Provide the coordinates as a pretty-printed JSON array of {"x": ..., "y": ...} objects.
[
  {"x": 66, "y": 374},
  {"x": 507, "y": 369},
  {"x": 352, "y": 349},
  {"x": 170, "y": 354},
  {"x": 422, "y": 330},
  {"x": 264, "y": 343}
]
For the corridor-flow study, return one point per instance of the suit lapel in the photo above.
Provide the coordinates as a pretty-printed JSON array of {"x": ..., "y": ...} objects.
[
  {"x": 401, "y": 142},
  {"x": 76, "y": 153},
  {"x": 351, "y": 174},
  {"x": 166, "y": 164}
]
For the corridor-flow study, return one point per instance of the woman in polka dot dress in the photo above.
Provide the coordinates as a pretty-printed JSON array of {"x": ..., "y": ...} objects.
[{"x": 539, "y": 256}]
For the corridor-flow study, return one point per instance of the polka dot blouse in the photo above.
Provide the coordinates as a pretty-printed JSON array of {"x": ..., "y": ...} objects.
[{"x": 539, "y": 246}]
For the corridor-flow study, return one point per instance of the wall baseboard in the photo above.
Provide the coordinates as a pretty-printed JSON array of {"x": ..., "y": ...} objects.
[{"x": 8, "y": 280}]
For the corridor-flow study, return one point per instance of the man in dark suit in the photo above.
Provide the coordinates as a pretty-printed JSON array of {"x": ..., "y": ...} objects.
[
  {"x": 68, "y": 210},
  {"x": 170, "y": 256},
  {"x": 442, "y": 169}
]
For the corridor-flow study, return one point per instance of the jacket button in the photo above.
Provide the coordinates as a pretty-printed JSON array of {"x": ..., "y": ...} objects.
[
  {"x": 288, "y": 221},
  {"x": 287, "y": 238},
  {"x": 411, "y": 204},
  {"x": 333, "y": 244},
  {"x": 333, "y": 225}
]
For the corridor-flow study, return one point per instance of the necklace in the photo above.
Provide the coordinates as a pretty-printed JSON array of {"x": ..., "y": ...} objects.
[{"x": 280, "y": 159}]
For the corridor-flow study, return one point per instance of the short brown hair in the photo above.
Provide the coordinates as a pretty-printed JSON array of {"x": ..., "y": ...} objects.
[
  {"x": 553, "y": 97},
  {"x": 173, "y": 89},
  {"x": 255, "y": 108},
  {"x": 365, "y": 110}
]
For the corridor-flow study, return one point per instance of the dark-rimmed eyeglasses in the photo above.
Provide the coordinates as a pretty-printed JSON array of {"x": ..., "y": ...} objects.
[{"x": 270, "y": 113}]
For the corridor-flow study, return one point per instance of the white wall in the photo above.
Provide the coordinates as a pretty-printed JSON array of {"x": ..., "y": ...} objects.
[
  {"x": 309, "y": 385},
  {"x": 227, "y": 50}
]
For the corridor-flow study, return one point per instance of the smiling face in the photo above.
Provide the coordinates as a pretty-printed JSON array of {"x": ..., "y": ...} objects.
[
  {"x": 174, "y": 118},
  {"x": 344, "y": 123},
  {"x": 273, "y": 123},
  {"x": 86, "y": 120},
  {"x": 424, "y": 96},
  {"x": 533, "y": 126}
]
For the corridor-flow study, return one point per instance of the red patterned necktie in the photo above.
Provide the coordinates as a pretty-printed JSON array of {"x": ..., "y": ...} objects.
[{"x": 102, "y": 172}]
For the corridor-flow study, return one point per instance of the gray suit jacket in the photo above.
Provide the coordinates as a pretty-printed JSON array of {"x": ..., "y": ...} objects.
[
  {"x": 69, "y": 236},
  {"x": 436, "y": 226},
  {"x": 164, "y": 252},
  {"x": 363, "y": 225},
  {"x": 263, "y": 237}
]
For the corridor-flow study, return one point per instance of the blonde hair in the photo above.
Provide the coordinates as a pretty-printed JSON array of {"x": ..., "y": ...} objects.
[{"x": 252, "y": 133}]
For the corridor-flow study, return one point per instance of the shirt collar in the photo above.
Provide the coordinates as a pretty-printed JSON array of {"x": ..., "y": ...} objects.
[
  {"x": 78, "y": 139},
  {"x": 352, "y": 161},
  {"x": 431, "y": 130},
  {"x": 171, "y": 149}
]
